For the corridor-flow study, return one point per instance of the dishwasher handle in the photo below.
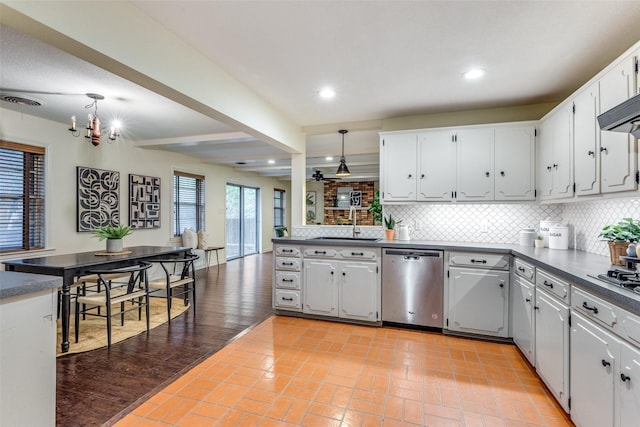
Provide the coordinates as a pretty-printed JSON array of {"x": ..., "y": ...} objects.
[{"x": 408, "y": 254}]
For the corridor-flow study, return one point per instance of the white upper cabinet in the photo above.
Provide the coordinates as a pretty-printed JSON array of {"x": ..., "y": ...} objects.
[
  {"x": 555, "y": 166},
  {"x": 618, "y": 150},
  {"x": 475, "y": 180},
  {"x": 399, "y": 166},
  {"x": 436, "y": 165},
  {"x": 586, "y": 140},
  {"x": 514, "y": 165}
]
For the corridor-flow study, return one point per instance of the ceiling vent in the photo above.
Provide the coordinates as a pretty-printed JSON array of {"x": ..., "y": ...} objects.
[{"x": 20, "y": 100}]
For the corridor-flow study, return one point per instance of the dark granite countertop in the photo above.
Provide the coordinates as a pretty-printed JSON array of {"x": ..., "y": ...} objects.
[
  {"x": 13, "y": 284},
  {"x": 577, "y": 267}
]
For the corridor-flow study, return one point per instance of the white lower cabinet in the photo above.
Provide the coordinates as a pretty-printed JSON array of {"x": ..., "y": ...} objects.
[
  {"x": 287, "y": 277},
  {"x": 552, "y": 345},
  {"x": 320, "y": 288},
  {"x": 359, "y": 291},
  {"x": 605, "y": 368},
  {"x": 522, "y": 316},
  {"x": 478, "y": 301}
]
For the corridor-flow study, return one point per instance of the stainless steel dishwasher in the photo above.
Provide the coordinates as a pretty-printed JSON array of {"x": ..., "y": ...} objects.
[{"x": 412, "y": 287}]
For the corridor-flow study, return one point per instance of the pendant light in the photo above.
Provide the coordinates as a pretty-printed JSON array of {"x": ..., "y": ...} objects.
[{"x": 343, "y": 170}]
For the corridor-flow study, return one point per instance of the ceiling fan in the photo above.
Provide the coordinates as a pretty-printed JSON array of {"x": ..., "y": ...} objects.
[{"x": 318, "y": 176}]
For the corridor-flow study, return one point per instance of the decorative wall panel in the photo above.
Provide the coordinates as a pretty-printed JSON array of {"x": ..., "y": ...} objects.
[
  {"x": 144, "y": 201},
  {"x": 98, "y": 202}
]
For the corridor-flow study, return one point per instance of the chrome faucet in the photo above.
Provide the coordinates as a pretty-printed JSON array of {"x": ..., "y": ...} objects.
[{"x": 352, "y": 216}]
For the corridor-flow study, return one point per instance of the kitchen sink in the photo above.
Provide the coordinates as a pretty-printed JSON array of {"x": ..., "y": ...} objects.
[{"x": 356, "y": 239}]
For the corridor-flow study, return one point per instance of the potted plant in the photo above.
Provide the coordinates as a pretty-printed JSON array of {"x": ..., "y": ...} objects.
[
  {"x": 376, "y": 208},
  {"x": 619, "y": 236},
  {"x": 114, "y": 236},
  {"x": 539, "y": 241},
  {"x": 389, "y": 225}
]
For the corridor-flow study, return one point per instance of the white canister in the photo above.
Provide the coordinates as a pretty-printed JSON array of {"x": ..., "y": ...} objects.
[
  {"x": 558, "y": 237},
  {"x": 544, "y": 230},
  {"x": 527, "y": 236}
]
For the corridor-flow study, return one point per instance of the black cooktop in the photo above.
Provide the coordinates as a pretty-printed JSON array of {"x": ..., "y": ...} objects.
[{"x": 627, "y": 279}]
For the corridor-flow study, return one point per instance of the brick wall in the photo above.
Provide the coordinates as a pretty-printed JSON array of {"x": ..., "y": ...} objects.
[{"x": 338, "y": 217}]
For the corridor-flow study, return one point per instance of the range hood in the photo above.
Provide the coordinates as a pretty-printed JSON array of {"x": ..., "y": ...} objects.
[{"x": 623, "y": 118}]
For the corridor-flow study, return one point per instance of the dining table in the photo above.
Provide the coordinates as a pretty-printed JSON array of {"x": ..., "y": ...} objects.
[{"x": 75, "y": 265}]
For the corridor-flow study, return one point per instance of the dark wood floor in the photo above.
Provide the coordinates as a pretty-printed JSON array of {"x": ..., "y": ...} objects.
[{"x": 101, "y": 386}]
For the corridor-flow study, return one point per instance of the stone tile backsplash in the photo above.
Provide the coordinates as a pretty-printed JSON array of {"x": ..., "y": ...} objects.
[{"x": 498, "y": 223}]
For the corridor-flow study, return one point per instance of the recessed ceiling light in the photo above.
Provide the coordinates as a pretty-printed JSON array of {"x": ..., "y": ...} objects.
[
  {"x": 327, "y": 93},
  {"x": 328, "y": 158},
  {"x": 271, "y": 161},
  {"x": 473, "y": 74}
]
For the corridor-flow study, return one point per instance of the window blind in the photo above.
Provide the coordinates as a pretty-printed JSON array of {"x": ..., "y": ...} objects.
[
  {"x": 188, "y": 202},
  {"x": 22, "y": 202}
]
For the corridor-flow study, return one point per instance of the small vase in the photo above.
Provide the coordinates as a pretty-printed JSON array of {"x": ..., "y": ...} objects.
[
  {"x": 538, "y": 243},
  {"x": 114, "y": 245},
  {"x": 389, "y": 234}
]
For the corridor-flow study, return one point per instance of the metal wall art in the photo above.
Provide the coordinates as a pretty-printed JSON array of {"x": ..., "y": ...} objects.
[
  {"x": 98, "y": 198},
  {"x": 144, "y": 201}
]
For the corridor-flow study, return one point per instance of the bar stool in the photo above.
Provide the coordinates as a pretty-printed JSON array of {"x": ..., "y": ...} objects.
[{"x": 105, "y": 292}]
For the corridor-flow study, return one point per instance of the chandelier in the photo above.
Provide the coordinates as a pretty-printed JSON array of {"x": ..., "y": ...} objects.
[{"x": 93, "y": 131}]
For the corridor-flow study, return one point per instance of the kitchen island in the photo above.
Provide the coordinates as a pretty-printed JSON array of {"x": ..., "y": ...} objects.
[{"x": 28, "y": 349}]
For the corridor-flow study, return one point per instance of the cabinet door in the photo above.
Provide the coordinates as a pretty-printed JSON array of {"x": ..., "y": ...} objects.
[
  {"x": 522, "y": 300},
  {"x": 475, "y": 180},
  {"x": 544, "y": 175},
  {"x": 586, "y": 140},
  {"x": 552, "y": 345},
  {"x": 514, "y": 168},
  {"x": 399, "y": 166},
  {"x": 617, "y": 150},
  {"x": 437, "y": 170},
  {"x": 478, "y": 301},
  {"x": 562, "y": 157},
  {"x": 628, "y": 402},
  {"x": 320, "y": 288},
  {"x": 359, "y": 297},
  {"x": 594, "y": 363}
]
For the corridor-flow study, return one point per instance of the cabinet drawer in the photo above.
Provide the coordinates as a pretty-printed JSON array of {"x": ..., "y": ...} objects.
[
  {"x": 320, "y": 251},
  {"x": 288, "y": 264},
  {"x": 525, "y": 270},
  {"x": 493, "y": 261},
  {"x": 286, "y": 250},
  {"x": 594, "y": 308},
  {"x": 554, "y": 286},
  {"x": 358, "y": 253},
  {"x": 288, "y": 279},
  {"x": 285, "y": 298}
]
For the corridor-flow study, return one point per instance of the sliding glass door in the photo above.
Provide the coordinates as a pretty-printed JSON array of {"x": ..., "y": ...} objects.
[{"x": 243, "y": 237}]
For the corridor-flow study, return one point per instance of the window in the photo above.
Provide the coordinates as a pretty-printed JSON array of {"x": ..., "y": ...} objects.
[
  {"x": 279, "y": 203},
  {"x": 21, "y": 197},
  {"x": 188, "y": 202}
]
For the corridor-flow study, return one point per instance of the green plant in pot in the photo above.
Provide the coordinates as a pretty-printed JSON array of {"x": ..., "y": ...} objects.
[
  {"x": 390, "y": 225},
  {"x": 619, "y": 236},
  {"x": 376, "y": 208},
  {"x": 113, "y": 235}
]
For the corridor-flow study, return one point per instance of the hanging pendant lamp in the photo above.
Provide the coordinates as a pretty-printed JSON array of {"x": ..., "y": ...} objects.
[{"x": 343, "y": 170}]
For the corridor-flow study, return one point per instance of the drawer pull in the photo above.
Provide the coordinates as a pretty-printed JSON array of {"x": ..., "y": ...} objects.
[
  {"x": 287, "y": 263},
  {"x": 287, "y": 280},
  {"x": 501, "y": 285},
  {"x": 586, "y": 307},
  {"x": 357, "y": 253},
  {"x": 320, "y": 252},
  {"x": 527, "y": 299},
  {"x": 548, "y": 284},
  {"x": 625, "y": 378},
  {"x": 479, "y": 261},
  {"x": 605, "y": 363},
  {"x": 287, "y": 299},
  {"x": 288, "y": 250},
  {"x": 521, "y": 269}
]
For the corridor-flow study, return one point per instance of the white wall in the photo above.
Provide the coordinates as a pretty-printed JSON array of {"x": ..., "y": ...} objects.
[{"x": 65, "y": 153}]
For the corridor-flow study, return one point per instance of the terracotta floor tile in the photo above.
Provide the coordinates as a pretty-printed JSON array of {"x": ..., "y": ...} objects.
[{"x": 300, "y": 372}]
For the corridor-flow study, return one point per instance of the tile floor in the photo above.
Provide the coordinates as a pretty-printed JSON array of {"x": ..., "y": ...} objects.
[{"x": 300, "y": 372}]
